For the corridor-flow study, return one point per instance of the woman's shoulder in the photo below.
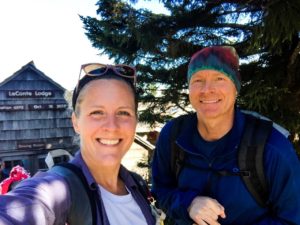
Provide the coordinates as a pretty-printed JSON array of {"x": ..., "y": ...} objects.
[{"x": 46, "y": 181}]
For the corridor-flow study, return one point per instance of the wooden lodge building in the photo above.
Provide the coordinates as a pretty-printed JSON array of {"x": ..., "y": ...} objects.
[{"x": 34, "y": 119}]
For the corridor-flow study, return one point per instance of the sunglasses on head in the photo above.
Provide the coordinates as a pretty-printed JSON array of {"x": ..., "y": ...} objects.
[{"x": 98, "y": 69}]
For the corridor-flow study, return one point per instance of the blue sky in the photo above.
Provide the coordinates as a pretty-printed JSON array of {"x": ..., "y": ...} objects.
[{"x": 50, "y": 33}]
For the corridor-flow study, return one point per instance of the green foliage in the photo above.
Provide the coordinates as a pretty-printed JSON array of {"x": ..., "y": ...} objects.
[
  {"x": 264, "y": 97},
  {"x": 280, "y": 23},
  {"x": 160, "y": 46}
]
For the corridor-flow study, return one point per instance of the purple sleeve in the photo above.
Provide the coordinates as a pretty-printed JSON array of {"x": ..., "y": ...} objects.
[{"x": 43, "y": 199}]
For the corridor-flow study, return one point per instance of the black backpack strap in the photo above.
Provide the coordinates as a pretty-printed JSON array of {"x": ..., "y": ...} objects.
[
  {"x": 83, "y": 209},
  {"x": 250, "y": 157},
  {"x": 177, "y": 154}
]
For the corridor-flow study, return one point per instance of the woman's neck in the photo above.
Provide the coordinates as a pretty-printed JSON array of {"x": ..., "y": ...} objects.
[{"x": 108, "y": 177}]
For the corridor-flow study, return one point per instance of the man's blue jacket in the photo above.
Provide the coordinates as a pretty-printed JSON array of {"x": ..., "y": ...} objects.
[{"x": 199, "y": 177}]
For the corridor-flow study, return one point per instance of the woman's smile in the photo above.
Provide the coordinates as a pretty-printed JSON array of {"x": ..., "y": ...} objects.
[{"x": 109, "y": 141}]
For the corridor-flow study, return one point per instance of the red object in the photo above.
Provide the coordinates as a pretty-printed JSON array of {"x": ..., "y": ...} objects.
[{"x": 17, "y": 173}]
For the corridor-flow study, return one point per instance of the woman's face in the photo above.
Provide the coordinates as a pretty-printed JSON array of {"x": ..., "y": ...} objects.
[{"x": 106, "y": 121}]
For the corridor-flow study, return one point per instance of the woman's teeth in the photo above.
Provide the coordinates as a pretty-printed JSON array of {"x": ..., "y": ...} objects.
[{"x": 109, "y": 141}]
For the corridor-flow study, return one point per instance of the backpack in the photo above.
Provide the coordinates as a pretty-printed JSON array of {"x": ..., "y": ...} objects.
[
  {"x": 250, "y": 154},
  {"x": 81, "y": 194},
  {"x": 84, "y": 208}
]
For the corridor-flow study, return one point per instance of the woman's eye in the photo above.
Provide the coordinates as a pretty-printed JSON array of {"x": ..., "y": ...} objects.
[
  {"x": 124, "y": 113},
  {"x": 98, "y": 112}
]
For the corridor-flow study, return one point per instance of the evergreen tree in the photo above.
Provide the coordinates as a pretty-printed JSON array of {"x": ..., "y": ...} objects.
[{"x": 266, "y": 34}]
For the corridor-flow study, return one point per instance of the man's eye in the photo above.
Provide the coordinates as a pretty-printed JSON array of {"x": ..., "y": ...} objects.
[
  {"x": 198, "y": 80},
  {"x": 220, "y": 78}
]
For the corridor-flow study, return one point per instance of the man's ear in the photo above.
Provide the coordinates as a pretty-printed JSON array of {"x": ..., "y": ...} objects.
[{"x": 75, "y": 123}]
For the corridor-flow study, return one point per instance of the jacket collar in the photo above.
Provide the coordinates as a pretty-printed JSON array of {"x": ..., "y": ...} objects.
[
  {"x": 189, "y": 127},
  {"x": 124, "y": 173}
]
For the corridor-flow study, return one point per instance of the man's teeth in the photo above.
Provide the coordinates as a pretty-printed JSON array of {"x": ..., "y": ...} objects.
[
  {"x": 209, "y": 101},
  {"x": 109, "y": 141}
]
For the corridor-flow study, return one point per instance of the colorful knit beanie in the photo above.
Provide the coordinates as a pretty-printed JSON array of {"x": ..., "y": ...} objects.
[{"x": 223, "y": 59}]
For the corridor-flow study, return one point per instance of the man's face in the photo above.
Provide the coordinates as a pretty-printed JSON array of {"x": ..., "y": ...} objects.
[{"x": 212, "y": 94}]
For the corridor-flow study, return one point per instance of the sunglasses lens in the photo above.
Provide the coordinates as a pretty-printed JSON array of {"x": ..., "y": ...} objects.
[
  {"x": 98, "y": 71},
  {"x": 125, "y": 70},
  {"x": 94, "y": 69}
]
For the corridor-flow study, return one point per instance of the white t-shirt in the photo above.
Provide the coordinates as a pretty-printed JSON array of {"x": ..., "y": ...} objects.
[{"x": 122, "y": 209}]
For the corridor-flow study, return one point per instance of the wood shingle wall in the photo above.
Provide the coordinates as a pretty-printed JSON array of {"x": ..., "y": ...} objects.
[{"x": 34, "y": 117}]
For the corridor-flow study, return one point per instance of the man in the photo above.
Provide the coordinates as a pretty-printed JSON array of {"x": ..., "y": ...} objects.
[{"x": 210, "y": 139}]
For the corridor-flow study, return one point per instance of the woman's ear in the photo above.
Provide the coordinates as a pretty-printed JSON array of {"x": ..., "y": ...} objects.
[{"x": 75, "y": 123}]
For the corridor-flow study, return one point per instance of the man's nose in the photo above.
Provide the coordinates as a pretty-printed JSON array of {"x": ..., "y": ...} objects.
[{"x": 207, "y": 86}]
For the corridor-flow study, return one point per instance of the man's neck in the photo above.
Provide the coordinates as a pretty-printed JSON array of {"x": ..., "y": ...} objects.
[{"x": 215, "y": 128}]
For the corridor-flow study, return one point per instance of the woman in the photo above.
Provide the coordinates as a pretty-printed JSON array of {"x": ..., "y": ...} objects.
[{"x": 105, "y": 118}]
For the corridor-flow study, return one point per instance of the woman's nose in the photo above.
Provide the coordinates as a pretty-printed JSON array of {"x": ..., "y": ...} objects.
[{"x": 110, "y": 123}]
